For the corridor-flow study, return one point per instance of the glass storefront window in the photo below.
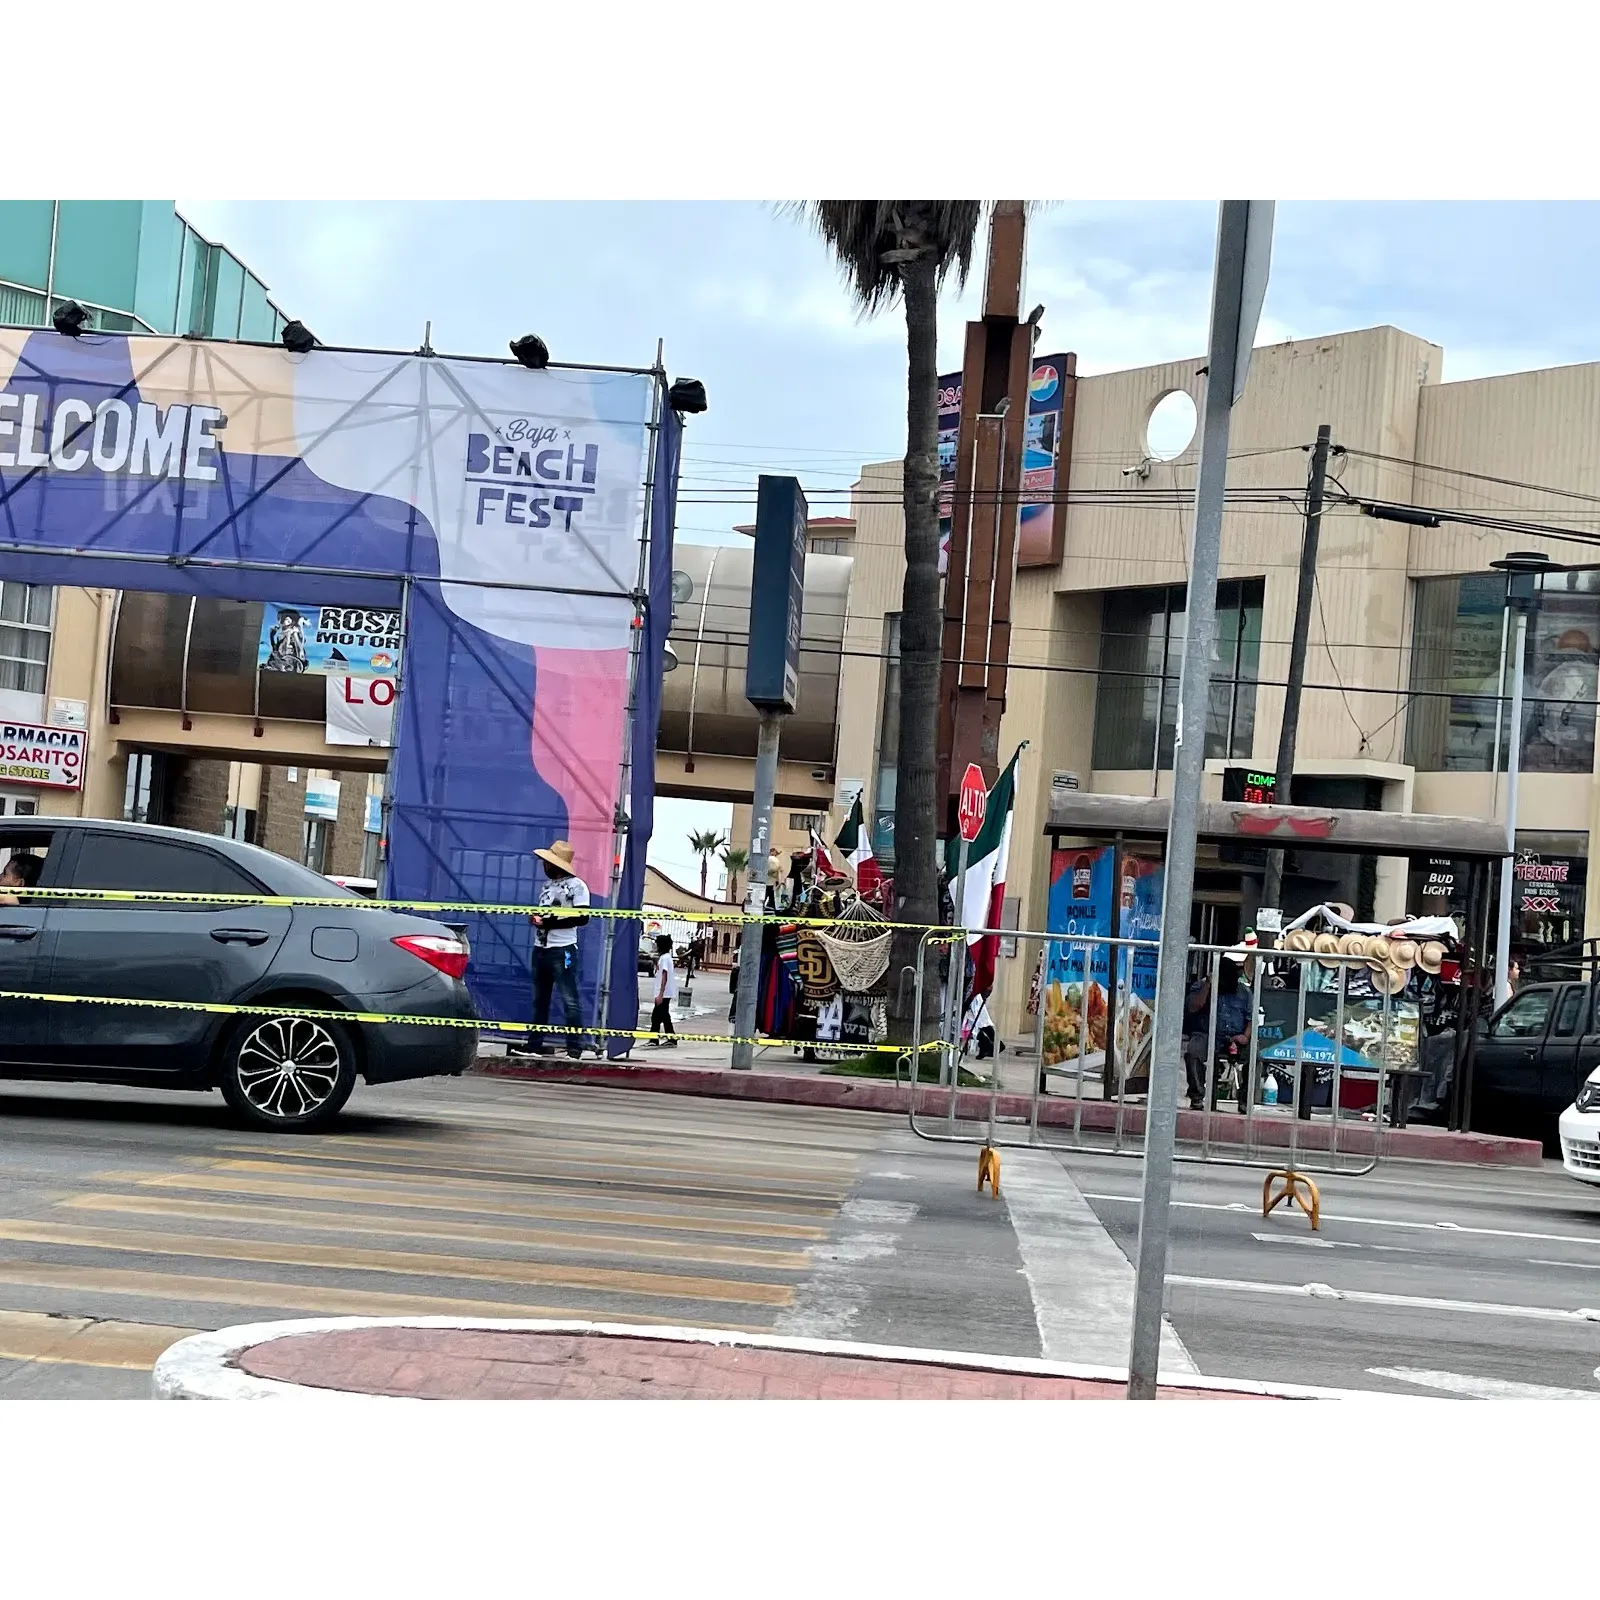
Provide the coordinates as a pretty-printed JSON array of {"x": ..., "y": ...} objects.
[
  {"x": 1141, "y": 655},
  {"x": 1455, "y": 675}
]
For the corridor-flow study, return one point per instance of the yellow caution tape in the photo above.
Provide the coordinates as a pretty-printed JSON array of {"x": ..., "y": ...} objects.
[
  {"x": 225, "y": 1008},
  {"x": 45, "y": 897}
]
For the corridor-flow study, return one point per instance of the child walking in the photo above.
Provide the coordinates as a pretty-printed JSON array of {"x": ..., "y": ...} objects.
[{"x": 666, "y": 993}]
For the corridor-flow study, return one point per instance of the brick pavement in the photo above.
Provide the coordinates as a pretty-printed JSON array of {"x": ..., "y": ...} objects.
[{"x": 482, "y": 1364}]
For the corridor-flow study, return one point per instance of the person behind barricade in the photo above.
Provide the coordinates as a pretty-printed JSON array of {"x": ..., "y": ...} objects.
[
  {"x": 555, "y": 949},
  {"x": 20, "y": 872},
  {"x": 666, "y": 992},
  {"x": 733, "y": 979},
  {"x": 1232, "y": 1026}
]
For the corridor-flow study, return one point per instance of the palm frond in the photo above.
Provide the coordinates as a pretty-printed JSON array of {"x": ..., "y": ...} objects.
[{"x": 872, "y": 239}]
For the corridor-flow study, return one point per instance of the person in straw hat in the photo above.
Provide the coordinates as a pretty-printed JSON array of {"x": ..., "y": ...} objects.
[{"x": 555, "y": 945}]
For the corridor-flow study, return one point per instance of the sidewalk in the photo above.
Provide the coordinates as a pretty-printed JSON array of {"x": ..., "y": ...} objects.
[
  {"x": 781, "y": 1075},
  {"x": 437, "y": 1358}
]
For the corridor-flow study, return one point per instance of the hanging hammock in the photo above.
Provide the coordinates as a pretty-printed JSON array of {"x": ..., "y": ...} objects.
[{"x": 858, "y": 946}]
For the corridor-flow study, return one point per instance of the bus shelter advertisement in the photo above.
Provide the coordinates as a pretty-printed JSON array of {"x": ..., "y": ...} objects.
[{"x": 1077, "y": 976}]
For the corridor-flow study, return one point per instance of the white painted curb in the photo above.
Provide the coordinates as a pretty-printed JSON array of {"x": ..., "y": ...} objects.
[{"x": 201, "y": 1366}]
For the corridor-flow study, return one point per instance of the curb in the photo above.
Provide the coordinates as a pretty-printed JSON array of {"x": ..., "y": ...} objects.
[
  {"x": 972, "y": 1105},
  {"x": 201, "y": 1367}
]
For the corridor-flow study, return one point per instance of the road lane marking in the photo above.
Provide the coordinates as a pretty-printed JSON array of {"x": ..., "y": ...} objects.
[
  {"x": 726, "y": 1200},
  {"x": 1371, "y": 1297},
  {"x": 1480, "y": 1388},
  {"x": 618, "y": 1158},
  {"x": 1305, "y": 1242},
  {"x": 482, "y": 1269},
  {"x": 1081, "y": 1282},
  {"x": 84, "y": 1341},
  {"x": 681, "y": 1220},
  {"x": 634, "y": 1244},
  {"x": 1376, "y": 1222},
  {"x": 291, "y": 1297}
]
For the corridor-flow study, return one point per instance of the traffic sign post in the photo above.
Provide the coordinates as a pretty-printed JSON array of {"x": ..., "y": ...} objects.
[{"x": 969, "y": 817}]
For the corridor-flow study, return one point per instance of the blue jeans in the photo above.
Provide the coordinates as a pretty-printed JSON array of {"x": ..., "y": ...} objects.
[{"x": 557, "y": 970}]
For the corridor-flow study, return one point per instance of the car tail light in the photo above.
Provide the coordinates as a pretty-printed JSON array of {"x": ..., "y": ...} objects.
[{"x": 440, "y": 950}]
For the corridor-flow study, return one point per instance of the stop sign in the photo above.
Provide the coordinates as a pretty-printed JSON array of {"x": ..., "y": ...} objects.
[{"x": 974, "y": 796}]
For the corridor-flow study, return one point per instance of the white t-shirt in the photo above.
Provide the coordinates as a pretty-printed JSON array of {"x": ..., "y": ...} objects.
[
  {"x": 666, "y": 977},
  {"x": 564, "y": 892}
]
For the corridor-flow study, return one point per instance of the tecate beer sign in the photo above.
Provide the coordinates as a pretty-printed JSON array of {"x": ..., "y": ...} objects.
[{"x": 49, "y": 757}]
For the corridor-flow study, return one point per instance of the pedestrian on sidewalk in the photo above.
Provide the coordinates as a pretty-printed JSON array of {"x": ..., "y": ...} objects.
[
  {"x": 563, "y": 901},
  {"x": 666, "y": 993},
  {"x": 1232, "y": 1036},
  {"x": 733, "y": 980}
]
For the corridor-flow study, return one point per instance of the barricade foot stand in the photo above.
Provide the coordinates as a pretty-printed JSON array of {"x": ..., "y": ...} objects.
[
  {"x": 1293, "y": 1184},
  {"x": 989, "y": 1170}
]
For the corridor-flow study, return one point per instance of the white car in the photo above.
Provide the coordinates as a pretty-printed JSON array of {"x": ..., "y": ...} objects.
[{"x": 1580, "y": 1133}]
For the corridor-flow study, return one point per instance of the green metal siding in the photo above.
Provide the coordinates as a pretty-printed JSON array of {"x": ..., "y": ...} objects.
[
  {"x": 21, "y": 306},
  {"x": 25, "y": 241},
  {"x": 222, "y": 321},
  {"x": 97, "y": 251},
  {"x": 256, "y": 323}
]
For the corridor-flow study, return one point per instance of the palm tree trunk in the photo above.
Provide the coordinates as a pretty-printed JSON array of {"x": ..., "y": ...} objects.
[
  {"x": 916, "y": 810},
  {"x": 702, "y": 877}
]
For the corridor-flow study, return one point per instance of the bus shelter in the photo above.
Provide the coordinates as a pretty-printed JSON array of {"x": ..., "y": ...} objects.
[{"x": 1106, "y": 865}]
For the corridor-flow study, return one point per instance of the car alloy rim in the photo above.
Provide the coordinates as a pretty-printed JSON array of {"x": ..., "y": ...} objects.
[{"x": 288, "y": 1066}]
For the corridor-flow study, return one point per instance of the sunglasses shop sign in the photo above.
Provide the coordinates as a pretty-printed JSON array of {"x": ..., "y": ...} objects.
[{"x": 355, "y": 649}]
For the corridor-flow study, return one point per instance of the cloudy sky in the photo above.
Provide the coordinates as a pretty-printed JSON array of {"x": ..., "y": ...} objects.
[{"x": 747, "y": 300}]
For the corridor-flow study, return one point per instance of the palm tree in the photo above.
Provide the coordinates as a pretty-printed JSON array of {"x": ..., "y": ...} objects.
[
  {"x": 888, "y": 250},
  {"x": 705, "y": 844},
  {"x": 735, "y": 860}
]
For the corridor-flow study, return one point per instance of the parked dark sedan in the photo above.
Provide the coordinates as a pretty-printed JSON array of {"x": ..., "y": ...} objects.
[{"x": 281, "y": 1072}]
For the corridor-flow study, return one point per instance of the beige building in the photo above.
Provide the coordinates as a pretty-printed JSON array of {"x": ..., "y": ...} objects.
[{"x": 1402, "y": 672}]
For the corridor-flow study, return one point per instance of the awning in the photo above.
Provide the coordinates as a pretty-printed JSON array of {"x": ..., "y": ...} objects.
[{"x": 1374, "y": 833}]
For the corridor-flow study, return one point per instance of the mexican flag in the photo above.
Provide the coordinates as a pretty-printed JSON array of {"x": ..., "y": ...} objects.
[
  {"x": 857, "y": 847},
  {"x": 985, "y": 883}
]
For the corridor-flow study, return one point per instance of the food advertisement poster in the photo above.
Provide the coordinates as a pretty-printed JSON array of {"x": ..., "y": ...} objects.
[{"x": 1077, "y": 976}]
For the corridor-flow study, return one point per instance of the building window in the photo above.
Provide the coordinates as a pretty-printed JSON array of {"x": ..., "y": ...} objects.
[
  {"x": 805, "y": 822},
  {"x": 829, "y": 547},
  {"x": 26, "y": 612},
  {"x": 1141, "y": 657},
  {"x": 143, "y": 796},
  {"x": 316, "y": 843},
  {"x": 18, "y": 805},
  {"x": 1456, "y": 689},
  {"x": 883, "y": 788}
]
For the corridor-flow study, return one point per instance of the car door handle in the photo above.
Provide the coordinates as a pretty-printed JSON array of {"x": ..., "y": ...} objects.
[
  {"x": 17, "y": 930},
  {"x": 240, "y": 935}
]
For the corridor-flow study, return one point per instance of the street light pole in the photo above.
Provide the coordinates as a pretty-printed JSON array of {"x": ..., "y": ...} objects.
[
  {"x": 1522, "y": 569},
  {"x": 1244, "y": 247}
]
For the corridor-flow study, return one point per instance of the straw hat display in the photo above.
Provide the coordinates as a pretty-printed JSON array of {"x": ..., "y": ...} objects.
[
  {"x": 1325, "y": 945},
  {"x": 1387, "y": 979},
  {"x": 1431, "y": 956},
  {"x": 1353, "y": 944},
  {"x": 1403, "y": 953},
  {"x": 1301, "y": 940}
]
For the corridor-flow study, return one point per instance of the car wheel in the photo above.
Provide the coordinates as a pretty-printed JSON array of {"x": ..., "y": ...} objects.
[{"x": 288, "y": 1073}]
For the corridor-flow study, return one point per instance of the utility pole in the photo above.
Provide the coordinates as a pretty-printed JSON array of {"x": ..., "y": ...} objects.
[
  {"x": 986, "y": 501},
  {"x": 1272, "y": 888},
  {"x": 1244, "y": 252},
  {"x": 755, "y": 897}
]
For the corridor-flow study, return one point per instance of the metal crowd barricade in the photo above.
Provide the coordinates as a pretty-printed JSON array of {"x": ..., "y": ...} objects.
[{"x": 1090, "y": 1058}]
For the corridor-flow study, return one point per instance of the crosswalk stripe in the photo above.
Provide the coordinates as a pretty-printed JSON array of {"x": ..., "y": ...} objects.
[
  {"x": 82, "y": 1341},
  {"x": 322, "y": 1298},
  {"x": 523, "y": 1145},
  {"x": 797, "y": 1205},
  {"x": 635, "y": 1244},
  {"x": 679, "y": 1220},
  {"x": 535, "y": 1167},
  {"x": 564, "y": 1275}
]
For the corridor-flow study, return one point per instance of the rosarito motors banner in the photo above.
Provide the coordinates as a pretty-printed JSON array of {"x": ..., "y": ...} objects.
[{"x": 515, "y": 498}]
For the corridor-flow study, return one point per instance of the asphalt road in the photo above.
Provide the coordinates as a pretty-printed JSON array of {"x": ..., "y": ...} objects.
[
  {"x": 1421, "y": 1279},
  {"x": 129, "y": 1219}
]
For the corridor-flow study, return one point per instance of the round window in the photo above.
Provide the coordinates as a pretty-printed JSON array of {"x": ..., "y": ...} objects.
[{"x": 1173, "y": 419}]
